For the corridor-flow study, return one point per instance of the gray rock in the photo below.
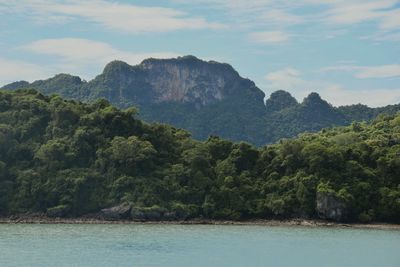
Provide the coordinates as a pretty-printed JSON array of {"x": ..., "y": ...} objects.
[
  {"x": 329, "y": 206},
  {"x": 148, "y": 213},
  {"x": 58, "y": 211},
  {"x": 121, "y": 211},
  {"x": 154, "y": 215},
  {"x": 137, "y": 214},
  {"x": 170, "y": 216}
]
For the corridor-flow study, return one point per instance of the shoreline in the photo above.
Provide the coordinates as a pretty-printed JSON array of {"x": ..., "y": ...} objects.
[{"x": 271, "y": 222}]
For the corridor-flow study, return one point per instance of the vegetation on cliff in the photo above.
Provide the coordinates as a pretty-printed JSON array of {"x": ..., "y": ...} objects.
[
  {"x": 205, "y": 98},
  {"x": 66, "y": 157}
]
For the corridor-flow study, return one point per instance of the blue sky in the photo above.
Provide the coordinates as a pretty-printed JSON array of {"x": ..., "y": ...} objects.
[{"x": 346, "y": 50}]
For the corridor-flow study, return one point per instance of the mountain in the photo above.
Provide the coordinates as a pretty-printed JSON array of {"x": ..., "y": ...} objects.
[
  {"x": 205, "y": 98},
  {"x": 280, "y": 100},
  {"x": 68, "y": 159}
]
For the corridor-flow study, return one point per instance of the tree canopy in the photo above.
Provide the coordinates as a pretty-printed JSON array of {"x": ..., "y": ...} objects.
[{"x": 58, "y": 154}]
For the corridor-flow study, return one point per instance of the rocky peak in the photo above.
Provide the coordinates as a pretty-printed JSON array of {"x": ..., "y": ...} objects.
[
  {"x": 67, "y": 78},
  {"x": 62, "y": 79},
  {"x": 184, "y": 80},
  {"x": 189, "y": 79},
  {"x": 316, "y": 109},
  {"x": 189, "y": 61},
  {"x": 62, "y": 83},
  {"x": 16, "y": 85},
  {"x": 314, "y": 101},
  {"x": 116, "y": 67},
  {"x": 313, "y": 98},
  {"x": 280, "y": 100}
]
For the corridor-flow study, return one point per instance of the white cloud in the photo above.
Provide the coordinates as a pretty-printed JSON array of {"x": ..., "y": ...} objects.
[
  {"x": 346, "y": 12},
  {"x": 391, "y": 20},
  {"x": 233, "y": 5},
  {"x": 383, "y": 37},
  {"x": 291, "y": 80},
  {"x": 268, "y": 37},
  {"x": 365, "y": 72},
  {"x": 111, "y": 15},
  {"x": 86, "y": 57},
  {"x": 385, "y": 71},
  {"x": 284, "y": 79},
  {"x": 372, "y": 97},
  {"x": 384, "y": 13},
  {"x": 15, "y": 70},
  {"x": 88, "y": 51},
  {"x": 343, "y": 12},
  {"x": 281, "y": 16},
  {"x": 245, "y": 14}
]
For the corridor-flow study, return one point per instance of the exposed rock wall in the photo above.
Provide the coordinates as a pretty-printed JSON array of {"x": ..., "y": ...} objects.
[
  {"x": 329, "y": 206},
  {"x": 188, "y": 79}
]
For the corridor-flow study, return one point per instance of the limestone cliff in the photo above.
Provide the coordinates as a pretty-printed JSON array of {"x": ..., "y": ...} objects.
[
  {"x": 181, "y": 80},
  {"x": 204, "y": 97}
]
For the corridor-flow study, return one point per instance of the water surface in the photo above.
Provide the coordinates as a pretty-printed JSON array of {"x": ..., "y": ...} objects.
[{"x": 195, "y": 245}]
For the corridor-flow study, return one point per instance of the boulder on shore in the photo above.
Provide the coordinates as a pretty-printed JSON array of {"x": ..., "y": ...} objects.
[
  {"x": 137, "y": 214},
  {"x": 331, "y": 207},
  {"x": 154, "y": 213},
  {"x": 118, "y": 212},
  {"x": 57, "y": 212}
]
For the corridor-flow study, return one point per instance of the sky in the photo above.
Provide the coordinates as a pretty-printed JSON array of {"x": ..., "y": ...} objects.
[{"x": 346, "y": 50}]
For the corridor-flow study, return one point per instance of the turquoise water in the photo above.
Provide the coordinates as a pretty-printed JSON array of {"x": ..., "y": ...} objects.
[{"x": 195, "y": 245}]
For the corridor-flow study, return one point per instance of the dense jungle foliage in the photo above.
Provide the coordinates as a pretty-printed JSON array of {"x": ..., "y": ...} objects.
[{"x": 63, "y": 154}]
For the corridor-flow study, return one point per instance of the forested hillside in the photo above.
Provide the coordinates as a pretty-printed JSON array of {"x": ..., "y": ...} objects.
[
  {"x": 67, "y": 158},
  {"x": 206, "y": 98}
]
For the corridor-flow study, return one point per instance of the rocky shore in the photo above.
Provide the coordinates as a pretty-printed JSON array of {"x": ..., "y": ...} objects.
[
  {"x": 330, "y": 211},
  {"x": 38, "y": 218}
]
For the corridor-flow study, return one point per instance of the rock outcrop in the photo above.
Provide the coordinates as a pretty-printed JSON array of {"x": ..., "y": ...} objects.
[
  {"x": 280, "y": 100},
  {"x": 119, "y": 212},
  {"x": 147, "y": 214},
  {"x": 128, "y": 211},
  {"x": 331, "y": 207},
  {"x": 57, "y": 212},
  {"x": 179, "y": 80}
]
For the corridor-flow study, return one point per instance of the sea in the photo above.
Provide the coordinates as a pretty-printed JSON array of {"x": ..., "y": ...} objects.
[{"x": 113, "y": 245}]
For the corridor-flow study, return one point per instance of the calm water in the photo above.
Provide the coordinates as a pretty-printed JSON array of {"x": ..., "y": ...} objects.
[{"x": 198, "y": 245}]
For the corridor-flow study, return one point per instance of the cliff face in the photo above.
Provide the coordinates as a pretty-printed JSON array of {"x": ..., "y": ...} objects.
[
  {"x": 184, "y": 80},
  {"x": 188, "y": 80},
  {"x": 204, "y": 97}
]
